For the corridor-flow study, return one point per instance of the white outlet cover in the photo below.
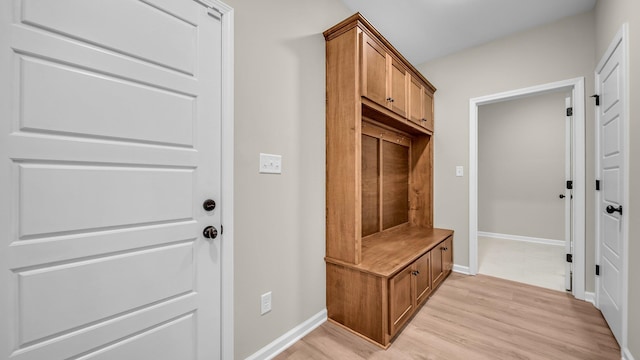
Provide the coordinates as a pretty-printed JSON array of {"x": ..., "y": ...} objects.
[
  {"x": 270, "y": 164},
  {"x": 459, "y": 170}
]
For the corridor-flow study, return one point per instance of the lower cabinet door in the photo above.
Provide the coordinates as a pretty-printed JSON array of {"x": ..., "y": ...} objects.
[
  {"x": 447, "y": 255},
  {"x": 400, "y": 299},
  {"x": 422, "y": 277},
  {"x": 437, "y": 265}
]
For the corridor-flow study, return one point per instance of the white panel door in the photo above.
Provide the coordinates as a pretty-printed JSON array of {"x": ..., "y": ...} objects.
[
  {"x": 611, "y": 214},
  {"x": 110, "y": 120}
]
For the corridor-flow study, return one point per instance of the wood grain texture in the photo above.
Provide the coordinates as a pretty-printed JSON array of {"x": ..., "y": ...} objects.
[
  {"x": 415, "y": 101},
  {"x": 423, "y": 278},
  {"x": 395, "y": 184},
  {"x": 374, "y": 70},
  {"x": 479, "y": 317},
  {"x": 398, "y": 87},
  {"x": 354, "y": 299},
  {"x": 386, "y": 253},
  {"x": 370, "y": 185},
  {"x": 401, "y": 302},
  {"x": 343, "y": 126},
  {"x": 421, "y": 188},
  {"x": 427, "y": 109}
]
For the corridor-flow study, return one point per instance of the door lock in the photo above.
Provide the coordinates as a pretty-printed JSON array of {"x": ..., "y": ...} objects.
[
  {"x": 210, "y": 232},
  {"x": 561, "y": 196},
  {"x": 209, "y": 205}
]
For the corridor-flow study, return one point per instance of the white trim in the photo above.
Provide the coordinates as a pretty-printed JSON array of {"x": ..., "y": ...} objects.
[
  {"x": 579, "y": 220},
  {"x": 626, "y": 354},
  {"x": 227, "y": 199},
  {"x": 290, "y": 337},
  {"x": 620, "y": 39},
  {"x": 590, "y": 297},
  {"x": 461, "y": 269},
  {"x": 522, "y": 238}
]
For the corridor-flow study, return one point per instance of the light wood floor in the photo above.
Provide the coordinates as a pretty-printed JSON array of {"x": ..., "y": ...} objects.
[{"x": 479, "y": 317}]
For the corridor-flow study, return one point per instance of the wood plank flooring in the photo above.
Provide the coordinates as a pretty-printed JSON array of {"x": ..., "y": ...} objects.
[{"x": 479, "y": 317}]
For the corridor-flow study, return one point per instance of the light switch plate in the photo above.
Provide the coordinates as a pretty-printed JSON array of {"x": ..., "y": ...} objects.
[
  {"x": 459, "y": 170},
  {"x": 265, "y": 303},
  {"x": 270, "y": 164}
]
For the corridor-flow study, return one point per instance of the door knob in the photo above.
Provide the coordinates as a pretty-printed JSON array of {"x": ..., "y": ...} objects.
[
  {"x": 209, "y": 205},
  {"x": 561, "y": 196},
  {"x": 610, "y": 209},
  {"x": 210, "y": 232}
]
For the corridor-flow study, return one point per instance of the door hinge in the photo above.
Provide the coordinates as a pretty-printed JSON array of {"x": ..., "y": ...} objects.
[
  {"x": 597, "y": 185},
  {"x": 597, "y": 99},
  {"x": 598, "y": 270},
  {"x": 569, "y": 258},
  {"x": 221, "y": 229},
  {"x": 569, "y": 111},
  {"x": 569, "y": 184}
]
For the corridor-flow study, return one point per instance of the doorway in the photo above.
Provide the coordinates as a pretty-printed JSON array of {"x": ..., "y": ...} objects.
[
  {"x": 524, "y": 217},
  {"x": 576, "y": 88}
]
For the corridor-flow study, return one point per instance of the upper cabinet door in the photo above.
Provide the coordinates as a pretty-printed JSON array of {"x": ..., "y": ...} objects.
[
  {"x": 374, "y": 71},
  {"x": 415, "y": 101},
  {"x": 427, "y": 109},
  {"x": 397, "y": 99}
]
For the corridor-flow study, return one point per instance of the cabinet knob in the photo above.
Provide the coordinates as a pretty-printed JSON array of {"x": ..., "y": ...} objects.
[{"x": 390, "y": 99}]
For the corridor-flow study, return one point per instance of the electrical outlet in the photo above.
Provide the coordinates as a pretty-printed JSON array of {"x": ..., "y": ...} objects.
[
  {"x": 459, "y": 170},
  {"x": 265, "y": 303},
  {"x": 270, "y": 164}
]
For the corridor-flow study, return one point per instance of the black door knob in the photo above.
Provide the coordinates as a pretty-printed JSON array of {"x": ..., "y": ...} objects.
[
  {"x": 610, "y": 209},
  {"x": 210, "y": 232},
  {"x": 561, "y": 196},
  {"x": 209, "y": 205}
]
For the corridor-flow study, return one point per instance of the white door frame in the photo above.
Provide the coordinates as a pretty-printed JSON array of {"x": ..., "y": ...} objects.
[
  {"x": 576, "y": 86},
  {"x": 620, "y": 39},
  {"x": 227, "y": 191}
]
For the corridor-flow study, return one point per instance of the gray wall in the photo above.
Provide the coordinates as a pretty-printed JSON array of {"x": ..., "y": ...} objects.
[
  {"x": 521, "y": 166},
  {"x": 279, "y": 219},
  {"x": 557, "y": 51},
  {"x": 610, "y": 15}
]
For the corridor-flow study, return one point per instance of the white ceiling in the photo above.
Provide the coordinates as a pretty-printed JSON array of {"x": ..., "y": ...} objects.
[{"x": 423, "y": 30}]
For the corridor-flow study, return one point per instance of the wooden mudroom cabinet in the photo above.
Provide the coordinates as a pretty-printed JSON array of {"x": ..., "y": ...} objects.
[{"x": 383, "y": 256}]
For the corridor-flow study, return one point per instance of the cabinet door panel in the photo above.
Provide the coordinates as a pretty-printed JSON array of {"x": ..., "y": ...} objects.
[
  {"x": 437, "y": 269},
  {"x": 374, "y": 71},
  {"x": 398, "y": 89},
  {"x": 415, "y": 101},
  {"x": 422, "y": 277},
  {"x": 427, "y": 109},
  {"x": 400, "y": 299},
  {"x": 447, "y": 255}
]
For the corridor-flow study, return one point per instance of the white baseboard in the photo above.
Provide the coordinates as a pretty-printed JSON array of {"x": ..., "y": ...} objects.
[
  {"x": 461, "y": 269},
  {"x": 290, "y": 337},
  {"x": 522, "y": 238},
  {"x": 590, "y": 297},
  {"x": 626, "y": 354}
]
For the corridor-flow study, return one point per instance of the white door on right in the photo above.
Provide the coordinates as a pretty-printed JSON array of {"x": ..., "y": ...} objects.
[{"x": 610, "y": 84}]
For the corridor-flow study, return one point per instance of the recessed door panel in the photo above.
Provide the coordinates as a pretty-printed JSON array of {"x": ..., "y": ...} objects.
[
  {"x": 97, "y": 105},
  {"x": 83, "y": 292},
  {"x": 99, "y": 197},
  {"x": 153, "y": 34}
]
